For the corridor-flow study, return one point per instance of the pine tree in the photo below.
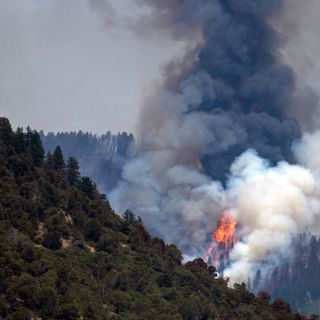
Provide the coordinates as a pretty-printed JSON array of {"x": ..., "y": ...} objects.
[
  {"x": 49, "y": 165},
  {"x": 58, "y": 161},
  {"x": 19, "y": 141},
  {"x": 86, "y": 185},
  {"x": 6, "y": 133},
  {"x": 257, "y": 280},
  {"x": 28, "y": 136},
  {"x": 73, "y": 173},
  {"x": 129, "y": 216},
  {"x": 36, "y": 149}
]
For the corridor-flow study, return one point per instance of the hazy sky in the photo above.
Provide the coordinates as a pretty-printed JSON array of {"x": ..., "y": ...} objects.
[
  {"x": 67, "y": 65},
  {"x": 76, "y": 64}
]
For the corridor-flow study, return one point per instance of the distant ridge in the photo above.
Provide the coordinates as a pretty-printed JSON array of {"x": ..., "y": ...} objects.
[{"x": 101, "y": 157}]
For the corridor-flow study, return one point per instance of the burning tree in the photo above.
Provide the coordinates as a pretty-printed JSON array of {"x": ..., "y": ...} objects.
[{"x": 223, "y": 240}]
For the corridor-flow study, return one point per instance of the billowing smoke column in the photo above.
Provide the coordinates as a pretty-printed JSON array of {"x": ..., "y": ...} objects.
[
  {"x": 231, "y": 92},
  {"x": 273, "y": 205},
  {"x": 236, "y": 81}
]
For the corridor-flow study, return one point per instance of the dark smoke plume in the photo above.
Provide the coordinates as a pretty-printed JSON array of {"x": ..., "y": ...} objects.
[
  {"x": 229, "y": 93},
  {"x": 237, "y": 73}
]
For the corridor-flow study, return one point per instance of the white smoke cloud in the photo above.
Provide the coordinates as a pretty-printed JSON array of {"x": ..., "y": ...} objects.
[
  {"x": 308, "y": 150},
  {"x": 273, "y": 205}
]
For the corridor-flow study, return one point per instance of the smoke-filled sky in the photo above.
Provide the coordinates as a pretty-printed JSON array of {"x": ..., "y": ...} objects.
[
  {"x": 76, "y": 64},
  {"x": 224, "y": 130}
]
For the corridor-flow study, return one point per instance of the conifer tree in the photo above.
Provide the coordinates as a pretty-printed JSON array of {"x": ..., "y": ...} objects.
[
  {"x": 73, "y": 173},
  {"x": 49, "y": 161},
  {"x": 129, "y": 216},
  {"x": 6, "y": 133},
  {"x": 86, "y": 185},
  {"x": 28, "y": 136},
  {"x": 36, "y": 149},
  {"x": 58, "y": 161},
  {"x": 19, "y": 140}
]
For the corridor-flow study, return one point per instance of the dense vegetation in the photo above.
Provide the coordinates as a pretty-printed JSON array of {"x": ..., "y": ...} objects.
[
  {"x": 298, "y": 279},
  {"x": 100, "y": 157},
  {"x": 64, "y": 254}
]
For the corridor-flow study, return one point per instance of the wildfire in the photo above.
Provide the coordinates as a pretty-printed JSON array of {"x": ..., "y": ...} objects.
[
  {"x": 222, "y": 242},
  {"x": 226, "y": 230}
]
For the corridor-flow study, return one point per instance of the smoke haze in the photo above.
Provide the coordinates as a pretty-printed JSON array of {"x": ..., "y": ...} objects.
[
  {"x": 299, "y": 22},
  {"x": 75, "y": 65}
]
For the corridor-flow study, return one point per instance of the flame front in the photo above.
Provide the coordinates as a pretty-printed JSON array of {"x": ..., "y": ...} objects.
[
  {"x": 222, "y": 242},
  {"x": 225, "y": 233}
]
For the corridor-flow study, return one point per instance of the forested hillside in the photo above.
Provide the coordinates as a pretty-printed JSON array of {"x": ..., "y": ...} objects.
[
  {"x": 64, "y": 253},
  {"x": 297, "y": 280},
  {"x": 100, "y": 157}
]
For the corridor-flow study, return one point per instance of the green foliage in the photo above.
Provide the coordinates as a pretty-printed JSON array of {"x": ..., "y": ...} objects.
[
  {"x": 86, "y": 185},
  {"x": 73, "y": 173},
  {"x": 36, "y": 149},
  {"x": 58, "y": 161},
  {"x": 64, "y": 253},
  {"x": 52, "y": 240},
  {"x": 6, "y": 134},
  {"x": 129, "y": 216},
  {"x": 93, "y": 230}
]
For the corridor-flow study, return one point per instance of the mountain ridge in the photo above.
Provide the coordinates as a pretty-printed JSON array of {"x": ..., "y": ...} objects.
[{"x": 65, "y": 254}]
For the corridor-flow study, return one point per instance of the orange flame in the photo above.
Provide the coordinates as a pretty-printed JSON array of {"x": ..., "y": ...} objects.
[
  {"x": 222, "y": 242},
  {"x": 225, "y": 233}
]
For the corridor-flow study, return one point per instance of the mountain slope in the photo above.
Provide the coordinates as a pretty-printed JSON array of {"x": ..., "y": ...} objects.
[
  {"x": 100, "y": 157},
  {"x": 64, "y": 253}
]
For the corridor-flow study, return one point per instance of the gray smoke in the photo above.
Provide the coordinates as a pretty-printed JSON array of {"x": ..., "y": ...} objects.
[
  {"x": 300, "y": 23},
  {"x": 230, "y": 92},
  {"x": 236, "y": 72}
]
